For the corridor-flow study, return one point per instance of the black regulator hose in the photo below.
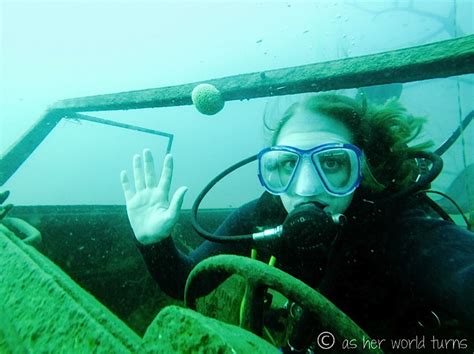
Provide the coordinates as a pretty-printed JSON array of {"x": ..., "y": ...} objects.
[
  {"x": 424, "y": 179},
  {"x": 455, "y": 135},
  {"x": 205, "y": 234}
]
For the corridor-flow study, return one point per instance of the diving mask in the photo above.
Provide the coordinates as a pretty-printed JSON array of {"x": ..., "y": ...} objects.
[{"x": 336, "y": 165}]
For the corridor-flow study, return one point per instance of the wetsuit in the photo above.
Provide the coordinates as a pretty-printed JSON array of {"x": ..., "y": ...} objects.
[{"x": 387, "y": 271}]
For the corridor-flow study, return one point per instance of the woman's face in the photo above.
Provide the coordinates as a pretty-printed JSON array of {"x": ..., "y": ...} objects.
[{"x": 306, "y": 130}]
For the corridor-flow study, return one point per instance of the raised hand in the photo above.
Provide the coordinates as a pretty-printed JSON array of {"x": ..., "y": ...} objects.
[{"x": 151, "y": 214}]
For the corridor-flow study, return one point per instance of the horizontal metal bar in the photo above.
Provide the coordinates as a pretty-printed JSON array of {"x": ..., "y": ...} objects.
[
  {"x": 117, "y": 124},
  {"x": 436, "y": 60},
  {"x": 125, "y": 126}
]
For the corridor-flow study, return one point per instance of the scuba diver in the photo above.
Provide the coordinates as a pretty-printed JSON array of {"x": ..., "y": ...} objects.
[{"x": 344, "y": 210}]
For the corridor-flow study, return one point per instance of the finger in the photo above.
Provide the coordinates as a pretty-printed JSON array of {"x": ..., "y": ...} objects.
[
  {"x": 166, "y": 175},
  {"x": 127, "y": 189},
  {"x": 177, "y": 201},
  {"x": 150, "y": 175},
  {"x": 138, "y": 173},
  {"x": 4, "y": 210},
  {"x": 4, "y": 196}
]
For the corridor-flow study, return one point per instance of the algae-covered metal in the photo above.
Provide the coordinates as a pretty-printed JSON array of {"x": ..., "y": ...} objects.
[{"x": 44, "y": 311}]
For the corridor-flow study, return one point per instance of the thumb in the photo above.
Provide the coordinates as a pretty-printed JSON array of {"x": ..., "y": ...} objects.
[{"x": 177, "y": 201}]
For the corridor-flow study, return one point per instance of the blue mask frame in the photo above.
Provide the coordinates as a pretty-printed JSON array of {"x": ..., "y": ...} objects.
[{"x": 309, "y": 153}]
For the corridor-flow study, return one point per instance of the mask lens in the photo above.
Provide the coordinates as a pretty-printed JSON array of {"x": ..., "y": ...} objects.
[
  {"x": 277, "y": 168},
  {"x": 339, "y": 169}
]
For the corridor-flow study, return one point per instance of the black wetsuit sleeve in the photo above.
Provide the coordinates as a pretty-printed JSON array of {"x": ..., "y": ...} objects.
[
  {"x": 170, "y": 267},
  {"x": 436, "y": 259},
  {"x": 167, "y": 265}
]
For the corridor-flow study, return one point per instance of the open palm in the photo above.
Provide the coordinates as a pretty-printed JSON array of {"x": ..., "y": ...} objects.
[{"x": 151, "y": 214}]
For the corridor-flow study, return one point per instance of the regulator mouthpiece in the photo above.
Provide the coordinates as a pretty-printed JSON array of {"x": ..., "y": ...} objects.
[{"x": 309, "y": 227}]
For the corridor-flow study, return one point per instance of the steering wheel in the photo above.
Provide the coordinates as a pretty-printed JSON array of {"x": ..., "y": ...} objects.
[{"x": 213, "y": 271}]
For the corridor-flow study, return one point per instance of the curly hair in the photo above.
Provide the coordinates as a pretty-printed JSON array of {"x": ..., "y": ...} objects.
[{"x": 382, "y": 132}]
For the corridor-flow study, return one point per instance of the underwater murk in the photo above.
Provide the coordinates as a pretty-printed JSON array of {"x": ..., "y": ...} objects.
[{"x": 76, "y": 279}]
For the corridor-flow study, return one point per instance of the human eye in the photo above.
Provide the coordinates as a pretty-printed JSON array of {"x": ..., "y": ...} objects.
[
  {"x": 287, "y": 163},
  {"x": 330, "y": 164},
  {"x": 333, "y": 162}
]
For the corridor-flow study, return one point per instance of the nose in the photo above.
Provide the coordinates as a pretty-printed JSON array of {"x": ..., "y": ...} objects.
[{"x": 307, "y": 181}]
